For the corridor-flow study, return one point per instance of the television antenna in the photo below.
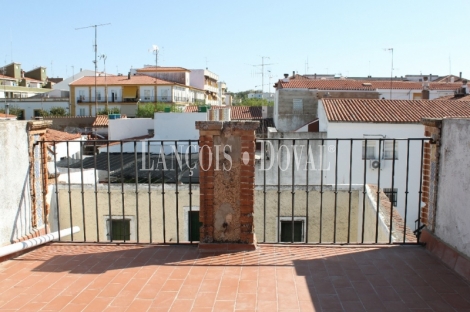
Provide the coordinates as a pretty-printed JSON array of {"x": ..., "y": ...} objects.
[
  {"x": 104, "y": 57},
  {"x": 96, "y": 55},
  {"x": 262, "y": 69}
]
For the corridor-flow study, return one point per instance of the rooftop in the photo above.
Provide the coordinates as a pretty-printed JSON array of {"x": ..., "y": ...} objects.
[
  {"x": 120, "y": 80},
  {"x": 236, "y": 112},
  {"x": 162, "y": 69},
  {"x": 55, "y": 135},
  {"x": 66, "y": 277},
  {"x": 364, "y": 85},
  {"x": 392, "y": 111}
]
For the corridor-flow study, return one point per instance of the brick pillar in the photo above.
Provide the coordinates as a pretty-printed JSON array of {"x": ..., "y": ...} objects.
[
  {"x": 226, "y": 181},
  {"x": 432, "y": 129}
]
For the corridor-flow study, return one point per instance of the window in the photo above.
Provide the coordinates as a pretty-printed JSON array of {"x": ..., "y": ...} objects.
[
  {"x": 388, "y": 150},
  {"x": 285, "y": 227},
  {"x": 369, "y": 151},
  {"x": 120, "y": 229},
  {"x": 98, "y": 96},
  {"x": 392, "y": 195},
  {"x": 297, "y": 106},
  {"x": 82, "y": 112},
  {"x": 147, "y": 95},
  {"x": 191, "y": 223}
]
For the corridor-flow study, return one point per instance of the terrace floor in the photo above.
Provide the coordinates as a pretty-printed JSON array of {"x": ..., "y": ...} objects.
[{"x": 65, "y": 277}]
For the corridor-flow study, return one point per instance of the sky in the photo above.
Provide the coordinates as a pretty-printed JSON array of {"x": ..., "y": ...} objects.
[{"x": 233, "y": 38}]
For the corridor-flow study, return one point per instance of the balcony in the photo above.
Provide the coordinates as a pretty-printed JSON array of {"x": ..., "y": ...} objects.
[{"x": 136, "y": 249}]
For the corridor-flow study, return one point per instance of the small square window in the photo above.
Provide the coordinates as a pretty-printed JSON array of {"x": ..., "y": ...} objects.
[
  {"x": 392, "y": 195},
  {"x": 120, "y": 229},
  {"x": 369, "y": 151},
  {"x": 388, "y": 150},
  {"x": 286, "y": 230}
]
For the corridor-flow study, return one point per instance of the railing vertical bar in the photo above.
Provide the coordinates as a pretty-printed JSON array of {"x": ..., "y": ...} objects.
[
  {"x": 394, "y": 195},
  {"x": 264, "y": 192},
  {"x": 279, "y": 195},
  {"x": 307, "y": 192},
  {"x": 364, "y": 188},
  {"x": 420, "y": 193},
  {"x": 321, "y": 189},
  {"x": 378, "y": 193},
  {"x": 149, "y": 180},
  {"x": 336, "y": 191},
  {"x": 136, "y": 190},
  {"x": 190, "y": 197},
  {"x": 406, "y": 186},
  {"x": 177, "y": 194},
  {"x": 350, "y": 189},
  {"x": 110, "y": 221},
  {"x": 162, "y": 150},
  {"x": 122, "y": 190},
  {"x": 56, "y": 189},
  {"x": 45, "y": 178},
  {"x": 83, "y": 190},
  {"x": 96, "y": 180},
  {"x": 293, "y": 191},
  {"x": 70, "y": 191}
]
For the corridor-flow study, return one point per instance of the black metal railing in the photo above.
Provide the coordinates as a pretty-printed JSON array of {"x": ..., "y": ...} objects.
[{"x": 312, "y": 191}]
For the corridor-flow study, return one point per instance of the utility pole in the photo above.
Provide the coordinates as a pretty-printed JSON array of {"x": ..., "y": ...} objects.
[
  {"x": 96, "y": 55},
  {"x": 391, "y": 73},
  {"x": 155, "y": 51}
]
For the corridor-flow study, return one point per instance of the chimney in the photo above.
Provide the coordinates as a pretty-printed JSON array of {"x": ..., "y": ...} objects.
[
  {"x": 293, "y": 73},
  {"x": 286, "y": 75},
  {"x": 460, "y": 75},
  {"x": 129, "y": 75},
  {"x": 315, "y": 76},
  {"x": 425, "y": 94}
]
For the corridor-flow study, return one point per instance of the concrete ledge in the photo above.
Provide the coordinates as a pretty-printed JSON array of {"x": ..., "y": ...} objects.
[
  {"x": 226, "y": 247},
  {"x": 447, "y": 254}
]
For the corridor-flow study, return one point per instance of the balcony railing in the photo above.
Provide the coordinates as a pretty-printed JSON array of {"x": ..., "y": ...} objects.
[{"x": 316, "y": 191}]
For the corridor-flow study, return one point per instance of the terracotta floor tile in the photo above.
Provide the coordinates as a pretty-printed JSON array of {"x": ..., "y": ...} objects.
[
  {"x": 58, "y": 303},
  {"x": 139, "y": 305},
  {"x": 98, "y": 304},
  {"x": 124, "y": 299},
  {"x": 209, "y": 286},
  {"x": 181, "y": 305},
  {"x": 249, "y": 287},
  {"x": 245, "y": 301},
  {"x": 172, "y": 285},
  {"x": 73, "y": 307},
  {"x": 205, "y": 300},
  {"x": 164, "y": 299},
  {"x": 227, "y": 293},
  {"x": 224, "y": 305}
]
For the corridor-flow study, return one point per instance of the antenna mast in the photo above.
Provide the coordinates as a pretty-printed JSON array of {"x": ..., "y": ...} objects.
[
  {"x": 96, "y": 55},
  {"x": 262, "y": 71}
]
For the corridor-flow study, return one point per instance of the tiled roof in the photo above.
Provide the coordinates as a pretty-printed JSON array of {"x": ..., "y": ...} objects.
[
  {"x": 103, "y": 121},
  {"x": 32, "y": 80},
  {"x": 6, "y": 77},
  {"x": 161, "y": 69},
  {"x": 392, "y": 111},
  {"x": 120, "y": 80},
  {"x": 55, "y": 135},
  {"x": 454, "y": 98},
  {"x": 236, "y": 112},
  {"x": 366, "y": 85}
]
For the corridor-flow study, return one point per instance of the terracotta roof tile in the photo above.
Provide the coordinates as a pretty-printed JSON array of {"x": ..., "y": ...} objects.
[
  {"x": 454, "y": 98},
  {"x": 366, "y": 85},
  {"x": 7, "y": 116},
  {"x": 236, "y": 112},
  {"x": 120, "y": 80},
  {"x": 55, "y": 135},
  {"x": 161, "y": 69},
  {"x": 6, "y": 77},
  {"x": 392, "y": 111},
  {"x": 103, "y": 121}
]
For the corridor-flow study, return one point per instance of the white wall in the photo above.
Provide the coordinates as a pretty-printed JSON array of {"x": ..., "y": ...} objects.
[
  {"x": 400, "y": 94},
  {"x": 125, "y": 128},
  {"x": 30, "y": 105},
  {"x": 453, "y": 213},
  {"x": 390, "y": 131},
  {"x": 15, "y": 195},
  {"x": 197, "y": 78},
  {"x": 177, "y": 126}
]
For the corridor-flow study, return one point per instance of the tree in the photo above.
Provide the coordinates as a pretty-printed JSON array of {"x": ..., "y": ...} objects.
[
  {"x": 57, "y": 111},
  {"x": 256, "y": 102},
  {"x": 104, "y": 111},
  {"x": 147, "y": 110}
]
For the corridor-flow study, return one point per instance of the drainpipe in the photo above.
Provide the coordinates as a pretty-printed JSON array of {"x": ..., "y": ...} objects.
[{"x": 40, "y": 240}]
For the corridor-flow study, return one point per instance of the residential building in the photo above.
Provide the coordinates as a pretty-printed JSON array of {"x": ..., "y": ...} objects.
[
  {"x": 16, "y": 83},
  {"x": 269, "y": 96},
  {"x": 125, "y": 92},
  {"x": 376, "y": 158},
  {"x": 208, "y": 81}
]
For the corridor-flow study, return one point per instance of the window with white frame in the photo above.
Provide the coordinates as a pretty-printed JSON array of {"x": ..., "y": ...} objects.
[
  {"x": 368, "y": 152},
  {"x": 388, "y": 152},
  {"x": 82, "y": 112},
  {"x": 147, "y": 95}
]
